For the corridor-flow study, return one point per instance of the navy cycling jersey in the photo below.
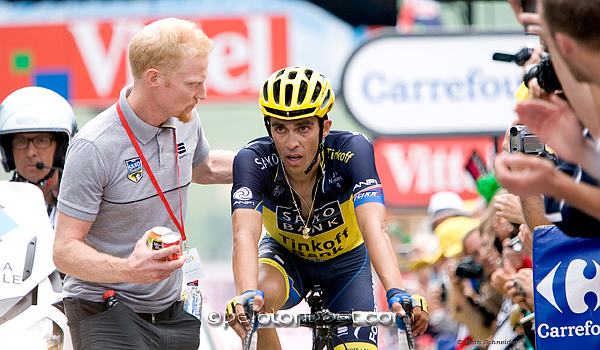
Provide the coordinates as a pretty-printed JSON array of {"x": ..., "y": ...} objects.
[{"x": 349, "y": 179}]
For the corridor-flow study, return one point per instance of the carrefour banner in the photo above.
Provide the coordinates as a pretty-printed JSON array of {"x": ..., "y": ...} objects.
[
  {"x": 567, "y": 283},
  {"x": 434, "y": 84}
]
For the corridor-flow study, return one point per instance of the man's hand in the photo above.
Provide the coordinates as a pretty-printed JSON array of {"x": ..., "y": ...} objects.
[
  {"x": 508, "y": 206},
  {"x": 520, "y": 289},
  {"x": 525, "y": 175},
  {"x": 501, "y": 276},
  {"x": 556, "y": 124},
  {"x": 526, "y": 238},
  {"x": 149, "y": 266}
]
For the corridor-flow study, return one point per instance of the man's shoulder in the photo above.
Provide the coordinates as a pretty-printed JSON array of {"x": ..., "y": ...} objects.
[
  {"x": 340, "y": 137},
  {"x": 261, "y": 146},
  {"x": 98, "y": 126}
]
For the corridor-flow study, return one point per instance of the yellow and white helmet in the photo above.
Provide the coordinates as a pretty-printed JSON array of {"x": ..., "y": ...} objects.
[{"x": 296, "y": 92}]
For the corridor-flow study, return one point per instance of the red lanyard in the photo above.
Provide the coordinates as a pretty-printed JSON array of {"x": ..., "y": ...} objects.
[{"x": 151, "y": 175}]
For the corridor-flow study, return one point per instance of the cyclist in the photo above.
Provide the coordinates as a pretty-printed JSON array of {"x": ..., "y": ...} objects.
[
  {"x": 317, "y": 193},
  {"x": 36, "y": 125}
]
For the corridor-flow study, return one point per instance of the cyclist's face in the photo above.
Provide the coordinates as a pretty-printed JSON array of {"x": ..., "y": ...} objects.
[
  {"x": 26, "y": 159},
  {"x": 297, "y": 141}
]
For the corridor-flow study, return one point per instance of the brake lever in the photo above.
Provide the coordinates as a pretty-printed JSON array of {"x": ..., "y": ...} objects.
[
  {"x": 253, "y": 319},
  {"x": 407, "y": 306}
]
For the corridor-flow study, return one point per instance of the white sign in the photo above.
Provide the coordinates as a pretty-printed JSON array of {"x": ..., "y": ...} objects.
[{"x": 407, "y": 85}]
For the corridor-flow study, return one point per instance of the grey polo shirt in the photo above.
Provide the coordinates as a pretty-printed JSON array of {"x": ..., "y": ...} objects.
[{"x": 104, "y": 182}]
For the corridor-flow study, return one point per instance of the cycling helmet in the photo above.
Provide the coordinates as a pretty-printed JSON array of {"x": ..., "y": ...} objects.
[
  {"x": 296, "y": 92},
  {"x": 35, "y": 109}
]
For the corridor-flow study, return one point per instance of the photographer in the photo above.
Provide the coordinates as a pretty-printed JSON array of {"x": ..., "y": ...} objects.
[
  {"x": 572, "y": 43},
  {"x": 471, "y": 298}
]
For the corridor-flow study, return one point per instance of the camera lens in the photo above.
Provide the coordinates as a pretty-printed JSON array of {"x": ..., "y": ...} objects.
[{"x": 514, "y": 131}]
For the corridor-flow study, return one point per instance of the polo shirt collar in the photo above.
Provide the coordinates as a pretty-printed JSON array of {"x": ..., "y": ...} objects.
[{"x": 143, "y": 132}]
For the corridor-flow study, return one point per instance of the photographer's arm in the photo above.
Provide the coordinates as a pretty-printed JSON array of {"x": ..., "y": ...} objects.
[
  {"x": 537, "y": 175},
  {"x": 534, "y": 211}
]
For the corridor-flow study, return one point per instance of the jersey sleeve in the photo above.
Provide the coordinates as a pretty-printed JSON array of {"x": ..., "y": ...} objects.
[
  {"x": 366, "y": 187},
  {"x": 248, "y": 179},
  {"x": 83, "y": 181},
  {"x": 202, "y": 147}
]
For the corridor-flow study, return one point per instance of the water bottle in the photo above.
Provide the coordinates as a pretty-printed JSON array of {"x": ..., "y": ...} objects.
[
  {"x": 110, "y": 299},
  {"x": 192, "y": 300}
]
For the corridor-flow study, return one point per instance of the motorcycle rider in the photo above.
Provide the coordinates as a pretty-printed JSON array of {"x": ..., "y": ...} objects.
[{"x": 46, "y": 119}]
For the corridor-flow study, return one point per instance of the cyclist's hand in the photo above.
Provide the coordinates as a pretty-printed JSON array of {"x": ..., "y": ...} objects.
[
  {"x": 232, "y": 318},
  {"x": 420, "y": 319},
  {"x": 236, "y": 310},
  {"x": 420, "y": 316}
]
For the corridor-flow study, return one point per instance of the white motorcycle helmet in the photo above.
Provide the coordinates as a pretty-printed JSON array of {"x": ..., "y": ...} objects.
[{"x": 35, "y": 109}]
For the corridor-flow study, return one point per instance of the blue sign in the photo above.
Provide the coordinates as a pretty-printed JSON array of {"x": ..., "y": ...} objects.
[{"x": 566, "y": 276}]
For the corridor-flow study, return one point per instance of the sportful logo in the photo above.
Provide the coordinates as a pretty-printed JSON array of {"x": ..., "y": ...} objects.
[{"x": 181, "y": 149}]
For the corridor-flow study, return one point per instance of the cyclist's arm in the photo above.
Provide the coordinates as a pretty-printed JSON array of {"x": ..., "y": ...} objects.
[
  {"x": 247, "y": 228},
  {"x": 372, "y": 223}
]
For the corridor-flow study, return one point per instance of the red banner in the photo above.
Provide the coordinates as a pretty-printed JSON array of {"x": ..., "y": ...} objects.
[
  {"x": 86, "y": 61},
  {"x": 411, "y": 170}
]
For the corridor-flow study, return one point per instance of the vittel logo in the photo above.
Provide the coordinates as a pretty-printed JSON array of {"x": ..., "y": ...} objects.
[{"x": 576, "y": 286}]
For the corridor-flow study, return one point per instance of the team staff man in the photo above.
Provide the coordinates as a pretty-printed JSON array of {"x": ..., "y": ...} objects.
[
  {"x": 108, "y": 203},
  {"x": 317, "y": 193}
]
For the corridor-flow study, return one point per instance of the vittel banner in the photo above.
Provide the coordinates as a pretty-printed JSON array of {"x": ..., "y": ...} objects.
[
  {"x": 86, "y": 60},
  {"x": 413, "y": 169},
  {"x": 566, "y": 273},
  {"x": 405, "y": 85}
]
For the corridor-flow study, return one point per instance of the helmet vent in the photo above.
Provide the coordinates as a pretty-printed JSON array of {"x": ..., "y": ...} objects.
[
  {"x": 280, "y": 73},
  {"x": 266, "y": 92},
  {"x": 317, "y": 92},
  {"x": 302, "y": 92},
  {"x": 308, "y": 73},
  {"x": 276, "y": 90},
  {"x": 326, "y": 100},
  {"x": 292, "y": 75},
  {"x": 289, "y": 94}
]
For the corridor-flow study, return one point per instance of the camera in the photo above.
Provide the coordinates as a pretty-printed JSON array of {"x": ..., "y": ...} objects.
[
  {"x": 524, "y": 141},
  {"x": 468, "y": 268},
  {"x": 529, "y": 6},
  {"x": 516, "y": 244},
  {"x": 519, "y": 58},
  {"x": 545, "y": 74}
]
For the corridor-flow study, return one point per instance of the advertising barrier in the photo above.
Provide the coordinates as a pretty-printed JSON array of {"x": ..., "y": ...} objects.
[
  {"x": 86, "y": 60},
  {"x": 566, "y": 276},
  {"x": 413, "y": 169}
]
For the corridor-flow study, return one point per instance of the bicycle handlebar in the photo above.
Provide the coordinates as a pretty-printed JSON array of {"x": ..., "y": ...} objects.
[{"x": 325, "y": 319}]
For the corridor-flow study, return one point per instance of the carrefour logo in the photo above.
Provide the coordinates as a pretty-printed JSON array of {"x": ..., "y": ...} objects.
[{"x": 576, "y": 286}]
